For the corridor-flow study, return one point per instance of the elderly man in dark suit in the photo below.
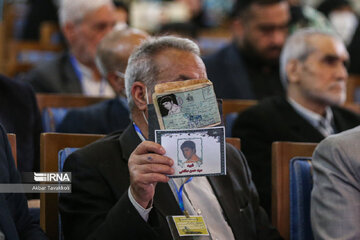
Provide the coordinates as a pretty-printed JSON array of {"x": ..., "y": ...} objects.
[
  {"x": 112, "y": 55},
  {"x": 248, "y": 68},
  {"x": 15, "y": 220},
  {"x": 84, "y": 23},
  {"x": 114, "y": 180},
  {"x": 313, "y": 68}
]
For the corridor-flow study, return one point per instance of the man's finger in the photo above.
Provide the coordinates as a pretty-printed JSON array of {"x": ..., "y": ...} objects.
[
  {"x": 154, "y": 159},
  {"x": 149, "y": 147}
]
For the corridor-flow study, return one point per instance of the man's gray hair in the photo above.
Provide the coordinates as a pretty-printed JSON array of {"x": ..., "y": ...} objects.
[
  {"x": 141, "y": 65},
  {"x": 297, "y": 47},
  {"x": 75, "y": 10},
  {"x": 108, "y": 53}
]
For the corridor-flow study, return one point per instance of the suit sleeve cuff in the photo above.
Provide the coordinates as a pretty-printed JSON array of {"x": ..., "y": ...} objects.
[{"x": 144, "y": 213}]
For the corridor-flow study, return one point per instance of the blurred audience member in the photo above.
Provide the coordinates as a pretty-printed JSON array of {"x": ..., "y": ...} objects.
[
  {"x": 248, "y": 67},
  {"x": 313, "y": 70},
  {"x": 15, "y": 220},
  {"x": 111, "y": 115},
  {"x": 38, "y": 12},
  {"x": 335, "y": 204},
  {"x": 303, "y": 16},
  {"x": 345, "y": 21},
  {"x": 83, "y": 23},
  {"x": 19, "y": 114}
]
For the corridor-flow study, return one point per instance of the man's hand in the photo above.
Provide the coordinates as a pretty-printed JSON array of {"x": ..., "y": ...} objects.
[{"x": 147, "y": 166}]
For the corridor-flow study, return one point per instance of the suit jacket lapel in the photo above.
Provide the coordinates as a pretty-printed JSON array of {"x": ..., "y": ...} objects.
[
  {"x": 227, "y": 201},
  {"x": 341, "y": 122},
  {"x": 165, "y": 202},
  {"x": 300, "y": 126},
  {"x": 128, "y": 140},
  {"x": 74, "y": 83}
]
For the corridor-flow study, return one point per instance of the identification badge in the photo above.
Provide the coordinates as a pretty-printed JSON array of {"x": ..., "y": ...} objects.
[
  {"x": 190, "y": 226},
  {"x": 183, "y": 227}
]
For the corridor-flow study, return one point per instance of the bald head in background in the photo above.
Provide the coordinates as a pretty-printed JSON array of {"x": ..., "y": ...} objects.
[{"x": 113, "y": 52}]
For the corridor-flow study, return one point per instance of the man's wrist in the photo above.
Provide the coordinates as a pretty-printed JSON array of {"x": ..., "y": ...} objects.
[{"x": 144, "y": 212}]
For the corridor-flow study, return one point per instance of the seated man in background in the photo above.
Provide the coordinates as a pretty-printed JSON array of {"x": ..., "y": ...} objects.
[
  {"x": 15, "y": 220},
  {"x": 111, "y": 115},
  {"x": 19, "y": 114},
  {"x": 335, "y": 204},
  {"x": 313, "y": 68},
  {"x": 84, "y": 23},
  {"x": 248, "y": 68},
  {"x": 114, "y": 180},
  {"x": 346, "y": 22}
]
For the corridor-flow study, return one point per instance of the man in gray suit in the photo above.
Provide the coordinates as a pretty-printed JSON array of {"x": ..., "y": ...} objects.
[
  {"x": 84, "y": 23},
  {"x": 335, "y": 199}
]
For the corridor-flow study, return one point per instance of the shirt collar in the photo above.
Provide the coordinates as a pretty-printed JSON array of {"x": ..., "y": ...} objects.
[{"x": 311, "y": 116}]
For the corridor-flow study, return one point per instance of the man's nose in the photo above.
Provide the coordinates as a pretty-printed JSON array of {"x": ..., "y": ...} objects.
[
  {"x": 341, "y": 72},
  {"x": 278, "y": 37}
]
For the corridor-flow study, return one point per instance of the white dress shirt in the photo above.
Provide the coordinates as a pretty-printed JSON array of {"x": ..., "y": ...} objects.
[{"x": 93, "y": 87}]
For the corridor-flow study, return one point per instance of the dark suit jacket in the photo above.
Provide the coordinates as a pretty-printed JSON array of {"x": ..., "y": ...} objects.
[
  {"x": 99, "y": 207},
  {"x": 275, "y": 120},
  {"x": 19, "y": 114},
  {"x": 15, "y": 220},
  {"x": 56, "y": 76},
  {"x": 227, "y": 70},
  {"x": 354, "y": 51},
  {"x": 101, "y": 118}
]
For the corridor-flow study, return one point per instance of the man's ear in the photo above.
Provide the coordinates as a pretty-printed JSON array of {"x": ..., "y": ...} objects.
[
  {"x": 69, "y": 31},
  {"x": 238, "y": 28},
  {"x": 117, "y": 83},
  {"x": 293, "y": 70},
  {"x": 138, "y": 92}
]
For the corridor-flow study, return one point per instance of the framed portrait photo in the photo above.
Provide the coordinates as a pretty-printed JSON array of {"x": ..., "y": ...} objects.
[{"x": 196, "y": 152}]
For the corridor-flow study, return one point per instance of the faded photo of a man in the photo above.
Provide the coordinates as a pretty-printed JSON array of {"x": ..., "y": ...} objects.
[{"x": 169, "y": 105}]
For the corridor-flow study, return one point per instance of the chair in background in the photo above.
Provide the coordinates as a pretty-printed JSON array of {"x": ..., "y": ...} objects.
[
  {"x": 34, "y": 204},
  {"x": 23, "y": 55},
  {"x": 54, "y": 107},
  {"x": 230, "y": 110},
  {"x": 50, "y": 145},
  {"x": 235, "y": 142},
  {"x": 301, "y": 184},
  {"x": 353, "y": 89},
  {"x": 354, "y": 107},
  {"x": 282, "y": 153},
  {"x": 12, "y": 140}
]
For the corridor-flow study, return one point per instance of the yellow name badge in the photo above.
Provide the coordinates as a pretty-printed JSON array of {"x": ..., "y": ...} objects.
[{"x": 190, "y": 226}]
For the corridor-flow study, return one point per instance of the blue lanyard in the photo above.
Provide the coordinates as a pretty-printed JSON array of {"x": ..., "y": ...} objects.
[
  {"x": 74, "y": 63},
  {"x": 138, "y": 131},
  {"x": 179, "y": 193}
]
